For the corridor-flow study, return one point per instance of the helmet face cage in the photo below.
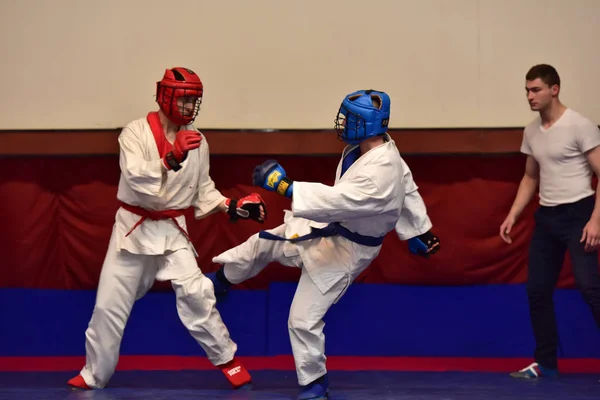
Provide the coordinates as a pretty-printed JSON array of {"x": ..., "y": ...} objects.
[
  {"x": 179, "y": 95},
  {"x": 174, "y": 103},
  {"x": 350, "y": 126}
]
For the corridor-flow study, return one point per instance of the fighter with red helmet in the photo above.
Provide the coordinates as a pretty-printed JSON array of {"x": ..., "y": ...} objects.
[{"x": 164, "y": 164}]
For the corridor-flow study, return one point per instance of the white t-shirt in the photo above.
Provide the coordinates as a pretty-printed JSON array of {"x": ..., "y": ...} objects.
[{"x": 565, "y": 174}]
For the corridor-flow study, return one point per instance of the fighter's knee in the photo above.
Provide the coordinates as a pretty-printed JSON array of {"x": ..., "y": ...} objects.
[
  {"x": 293, "y": 325},
  {"x": 195, "y": 285},
  {"x": 107, "y": 313},
  {"x": 299, "y": 323}
]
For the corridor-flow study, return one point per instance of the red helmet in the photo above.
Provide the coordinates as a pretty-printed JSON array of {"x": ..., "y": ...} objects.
[{"x": 179, "y": 82}]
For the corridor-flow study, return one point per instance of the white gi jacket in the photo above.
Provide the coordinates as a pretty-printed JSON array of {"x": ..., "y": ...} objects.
[
  {"x": 414, "y": 220},
  {"x": 145, "y": 183},
  {"x": 367, "y": 200}
]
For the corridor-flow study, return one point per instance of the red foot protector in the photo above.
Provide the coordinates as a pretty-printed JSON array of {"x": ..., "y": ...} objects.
[
  {"x": 78, "y": 383},
  {"x": 236, "y": 373}
]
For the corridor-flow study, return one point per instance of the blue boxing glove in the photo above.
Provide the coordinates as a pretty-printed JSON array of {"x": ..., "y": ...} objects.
[
  {"x": 424, "y": 245},
  {"x": 271, "y": 176}
]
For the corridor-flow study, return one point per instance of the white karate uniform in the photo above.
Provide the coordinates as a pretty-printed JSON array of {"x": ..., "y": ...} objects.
[
  {"x": 367, "y": 199},
  {"x": 414, "y": 220},
  {"x": 156, "y": 249}
]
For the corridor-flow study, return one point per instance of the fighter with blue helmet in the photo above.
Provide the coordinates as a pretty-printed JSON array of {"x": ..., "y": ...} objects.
[{"x": 331, "y": 232}]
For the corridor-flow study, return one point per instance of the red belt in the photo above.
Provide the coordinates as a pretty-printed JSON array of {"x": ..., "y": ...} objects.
[{"x": 155, "y": 216}]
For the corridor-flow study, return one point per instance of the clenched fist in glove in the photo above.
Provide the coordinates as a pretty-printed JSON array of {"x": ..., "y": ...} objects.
[
  {"x": 184, "y": 142},
  {"x": 424, "y": 245},
  {"x": 271, "y": 176},
  {"x": 249, "y": 207}
]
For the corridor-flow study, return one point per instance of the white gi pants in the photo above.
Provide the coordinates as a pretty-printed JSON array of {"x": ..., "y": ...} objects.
[
  {"x": 127, "y": 277},
  {"x": 305, "y": 323}
]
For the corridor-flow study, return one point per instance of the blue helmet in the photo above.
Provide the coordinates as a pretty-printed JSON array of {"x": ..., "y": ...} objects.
[{"x": 362, "y": 115}]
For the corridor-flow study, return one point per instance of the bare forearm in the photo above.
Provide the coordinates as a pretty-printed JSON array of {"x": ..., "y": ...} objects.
[
  {"x": 596, "y": 213},
  {"x": 527, "y": 189}
]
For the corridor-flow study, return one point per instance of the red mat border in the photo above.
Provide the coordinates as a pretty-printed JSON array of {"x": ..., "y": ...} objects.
[{"x": 286, "y": 363}]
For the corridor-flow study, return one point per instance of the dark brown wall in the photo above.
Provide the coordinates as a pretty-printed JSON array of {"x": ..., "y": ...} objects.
[{"x": 300, "y": 142}]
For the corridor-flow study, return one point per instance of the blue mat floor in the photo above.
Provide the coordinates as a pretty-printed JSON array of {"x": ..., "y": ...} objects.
[{"x": 279, "y": 385}]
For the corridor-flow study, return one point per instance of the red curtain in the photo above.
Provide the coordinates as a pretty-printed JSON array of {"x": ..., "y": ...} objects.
[{"x": 57, "y": 216}]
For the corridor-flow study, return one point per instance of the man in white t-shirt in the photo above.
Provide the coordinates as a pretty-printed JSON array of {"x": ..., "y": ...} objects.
[{"x": 563, "y": 150}]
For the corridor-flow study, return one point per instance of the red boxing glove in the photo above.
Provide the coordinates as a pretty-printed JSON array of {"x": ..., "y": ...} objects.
[
  {"x": 250, "y": 207},
  {"x": 184, "y": 142}
]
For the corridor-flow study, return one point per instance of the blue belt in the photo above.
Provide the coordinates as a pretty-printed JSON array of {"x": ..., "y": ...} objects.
[{"x": 332, "y": 229}]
